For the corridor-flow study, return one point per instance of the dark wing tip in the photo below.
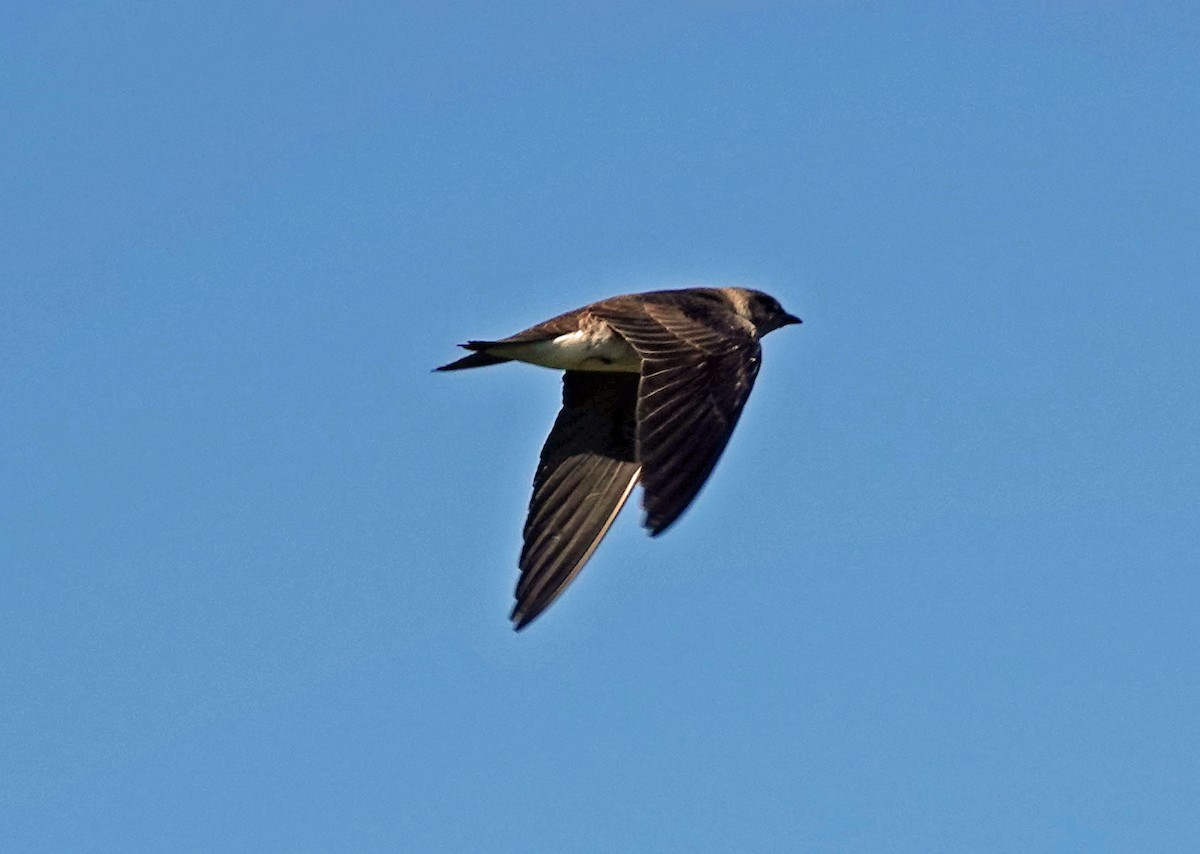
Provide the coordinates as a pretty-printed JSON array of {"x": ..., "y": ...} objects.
[
  {"x": 520, "y": 618},
  {"x": 657, "y": 523},
  {"x": 659, "y": 528}
]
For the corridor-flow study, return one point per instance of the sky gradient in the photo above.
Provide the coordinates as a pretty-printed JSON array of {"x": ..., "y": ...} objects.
[{"x": 256, "y": 559}]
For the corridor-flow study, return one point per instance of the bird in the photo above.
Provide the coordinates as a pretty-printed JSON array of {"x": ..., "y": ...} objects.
[{"x": 653, "y": 386}]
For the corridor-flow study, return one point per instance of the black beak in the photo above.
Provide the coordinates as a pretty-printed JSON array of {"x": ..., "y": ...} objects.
[{"x": 789, "y": 319}]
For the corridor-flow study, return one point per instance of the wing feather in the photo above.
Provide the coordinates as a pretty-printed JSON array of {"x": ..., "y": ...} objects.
[
  {"x": 697, "y": 373},
  {"x": 587, "y": 470}
]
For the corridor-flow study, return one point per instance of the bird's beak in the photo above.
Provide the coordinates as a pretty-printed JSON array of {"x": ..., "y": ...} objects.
[{"x": 789, "y": 319}]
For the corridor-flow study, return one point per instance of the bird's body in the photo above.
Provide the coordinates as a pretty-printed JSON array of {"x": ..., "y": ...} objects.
[
  {"x": 653, "y": 387},
  {"x": 595, "y": 349}
]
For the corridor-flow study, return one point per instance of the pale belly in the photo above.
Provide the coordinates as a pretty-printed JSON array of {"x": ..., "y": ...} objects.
[{"x": 576, "y": 352}]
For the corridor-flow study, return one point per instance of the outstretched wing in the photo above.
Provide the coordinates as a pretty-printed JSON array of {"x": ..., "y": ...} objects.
[
  {"x": 587, "y": 469},
  {"x": 697, "y": 372}
]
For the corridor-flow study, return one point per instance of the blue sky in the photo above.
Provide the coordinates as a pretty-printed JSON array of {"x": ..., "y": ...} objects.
[{"x": 940, "y": 594}]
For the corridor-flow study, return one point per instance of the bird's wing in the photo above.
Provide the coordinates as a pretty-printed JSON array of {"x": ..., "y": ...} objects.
[
  {"x": 587, "y": 469},
  {"x": 696, "y": 376}
]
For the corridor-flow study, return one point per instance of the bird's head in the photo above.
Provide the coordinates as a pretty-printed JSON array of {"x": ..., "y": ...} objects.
[{"x": 765, "y": 312}]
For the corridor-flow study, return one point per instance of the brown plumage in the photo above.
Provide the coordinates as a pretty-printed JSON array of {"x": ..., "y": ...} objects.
[{"x": 654, "y": 384}]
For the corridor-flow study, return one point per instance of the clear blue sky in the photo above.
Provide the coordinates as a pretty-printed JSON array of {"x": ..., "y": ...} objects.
[{"x": 256, "y": 560}]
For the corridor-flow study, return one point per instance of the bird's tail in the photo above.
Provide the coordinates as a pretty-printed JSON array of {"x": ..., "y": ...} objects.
[{"x": 477, "y": 359}]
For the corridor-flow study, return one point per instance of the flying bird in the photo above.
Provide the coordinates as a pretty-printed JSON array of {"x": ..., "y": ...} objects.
[{"x": 653, "y": 387}]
